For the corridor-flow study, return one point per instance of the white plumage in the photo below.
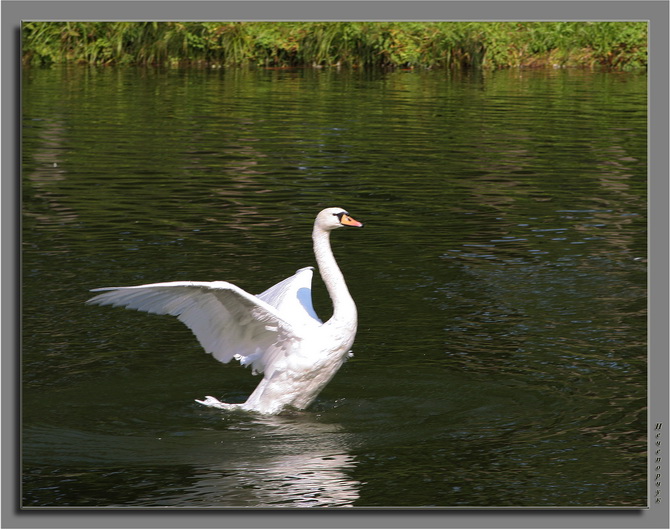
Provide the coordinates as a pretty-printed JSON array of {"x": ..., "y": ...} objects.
[{"x": 276, "y": 333}]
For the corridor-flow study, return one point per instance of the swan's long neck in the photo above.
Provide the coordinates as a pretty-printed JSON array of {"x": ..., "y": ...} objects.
[{"x": 344, "y": 309}]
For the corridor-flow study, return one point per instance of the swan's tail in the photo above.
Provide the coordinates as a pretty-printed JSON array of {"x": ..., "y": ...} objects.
[{"x": 210, "y": 401}]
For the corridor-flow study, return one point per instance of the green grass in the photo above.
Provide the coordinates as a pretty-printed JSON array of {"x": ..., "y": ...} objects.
[{"x": 491, "y": 45}]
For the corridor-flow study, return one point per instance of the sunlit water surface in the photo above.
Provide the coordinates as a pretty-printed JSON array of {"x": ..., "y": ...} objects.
[{"x": 500, "y": 281}]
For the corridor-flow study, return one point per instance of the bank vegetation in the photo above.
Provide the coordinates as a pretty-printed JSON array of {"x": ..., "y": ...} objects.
[{"x": 458, "y": 45}]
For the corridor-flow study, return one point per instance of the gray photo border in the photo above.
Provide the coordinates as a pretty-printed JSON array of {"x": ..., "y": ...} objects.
[{"x": 656, "y": 12}]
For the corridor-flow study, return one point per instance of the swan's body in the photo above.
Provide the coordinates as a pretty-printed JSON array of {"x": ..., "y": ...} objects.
[{"x": 277, "y": 332}]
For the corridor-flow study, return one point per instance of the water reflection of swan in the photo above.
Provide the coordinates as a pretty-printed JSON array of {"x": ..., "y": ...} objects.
[
  {"x": 271, "y": 461},
  {"x": 276, "y": 332},
  {"x": 293, "y": 460}
]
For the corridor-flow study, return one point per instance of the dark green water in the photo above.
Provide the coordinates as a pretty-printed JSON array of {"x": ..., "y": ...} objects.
[{"x": 500, "y": 280}]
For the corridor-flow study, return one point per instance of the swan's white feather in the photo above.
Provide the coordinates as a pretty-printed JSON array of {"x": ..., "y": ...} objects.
[
  {"x": 227, "y": 321},
  {"x": 292, "y": 297}
]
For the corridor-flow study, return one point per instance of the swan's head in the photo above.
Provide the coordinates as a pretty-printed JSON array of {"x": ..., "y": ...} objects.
[{"x": 332, "y": 218}]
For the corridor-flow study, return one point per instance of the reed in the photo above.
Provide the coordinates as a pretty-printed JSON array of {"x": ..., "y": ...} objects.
[{"x": 457, "y": 45}]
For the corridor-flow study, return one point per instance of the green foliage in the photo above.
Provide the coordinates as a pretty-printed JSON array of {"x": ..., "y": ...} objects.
[{"x": 619, "y": 45}]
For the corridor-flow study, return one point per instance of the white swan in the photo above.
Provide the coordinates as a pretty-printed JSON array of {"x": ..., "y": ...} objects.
[{"x": 276, "y": 332}]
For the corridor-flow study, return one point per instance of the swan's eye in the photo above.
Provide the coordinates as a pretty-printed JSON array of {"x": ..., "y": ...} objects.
[{"x": 341, "y": 215}]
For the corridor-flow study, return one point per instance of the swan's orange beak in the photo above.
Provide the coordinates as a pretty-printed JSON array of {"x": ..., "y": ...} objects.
[{"x": 347, "y": 220}]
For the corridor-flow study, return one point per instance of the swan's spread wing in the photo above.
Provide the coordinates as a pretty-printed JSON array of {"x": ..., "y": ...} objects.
[
  {"x": 292, "y": 297},
  {"x": 227, "y": 321}
]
